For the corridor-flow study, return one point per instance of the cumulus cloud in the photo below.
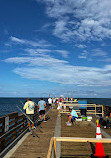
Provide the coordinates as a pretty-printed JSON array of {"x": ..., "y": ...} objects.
[{"x": 80, "y": 19}]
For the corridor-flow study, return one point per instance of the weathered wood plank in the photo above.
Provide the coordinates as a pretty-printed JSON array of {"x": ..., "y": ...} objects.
[
  {"x": 75, "y": 139},
  {"x": 79, "y": 149},
  {"x": 38, "y": 147},
  {"x": 50, "y": 147}
]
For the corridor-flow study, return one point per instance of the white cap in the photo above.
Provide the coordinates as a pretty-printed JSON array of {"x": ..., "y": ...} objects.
[{"x": 71, "y": 107}]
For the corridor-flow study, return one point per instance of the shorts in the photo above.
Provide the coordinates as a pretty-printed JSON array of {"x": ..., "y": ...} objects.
[
  {"x": 50, "y": 104},
  {"x": 31, "y": 117},
  {"x": 42, "y": 112},
  {"x": 73, "y": 118}
]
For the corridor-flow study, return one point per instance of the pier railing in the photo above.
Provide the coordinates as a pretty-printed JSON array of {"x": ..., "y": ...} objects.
[
  {"x": 91, "y": 108},
  {"x": 11, "y": 126},
  {"x": 72, "y": 139}
]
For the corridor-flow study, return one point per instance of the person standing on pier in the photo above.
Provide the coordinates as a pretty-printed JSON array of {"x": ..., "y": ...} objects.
[
  {"x": 50, "y": 102},
  {"x": 42, "y": 108},
  {"x": 29, "y": 107}
]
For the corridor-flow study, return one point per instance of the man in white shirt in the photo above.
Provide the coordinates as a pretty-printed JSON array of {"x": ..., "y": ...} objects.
[{"x": 50, "y": 102}]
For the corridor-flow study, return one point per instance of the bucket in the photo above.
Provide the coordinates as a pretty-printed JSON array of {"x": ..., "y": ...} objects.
[
  {"x": 84, "y": 118},
  {"x": 89, "y": 118},
  {"x": 79, "y": 119},
  {"x": 83, "y": 112}
]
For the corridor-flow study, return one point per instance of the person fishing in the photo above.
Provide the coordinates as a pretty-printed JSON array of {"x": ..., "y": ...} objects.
[
  {"x": 29, "y": 107},
  {"x": 71, "y": 116}
]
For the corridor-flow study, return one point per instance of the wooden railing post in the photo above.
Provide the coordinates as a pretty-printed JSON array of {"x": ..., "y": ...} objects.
[
  {"x": 50, "y": 147},
  {"x": 54, "y": 147},
  {"x": 95, "y": 109},
  {"x": 15, "y": 124},
  {"x": 102, "y": 111},
  {"x": 2, "y": 121}
]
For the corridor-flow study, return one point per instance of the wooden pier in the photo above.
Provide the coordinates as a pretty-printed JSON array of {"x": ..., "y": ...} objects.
[
  {"x": 34, "y": 147},
  {"x": 79, "y": 149},
  {"x": 11, "y": 126},
  {"x": 78, "y": 140}
]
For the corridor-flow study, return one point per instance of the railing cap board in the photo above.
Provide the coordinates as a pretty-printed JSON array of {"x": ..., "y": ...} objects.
[
  {"x": 21, "y": 116},
  {"x": 78, "y": 139},
  {"x": 73, "y": 139},
  {"x": 70, "y": 101},
  {"x": 83, "y": 105},
  {"x": 12, "y": 115}
]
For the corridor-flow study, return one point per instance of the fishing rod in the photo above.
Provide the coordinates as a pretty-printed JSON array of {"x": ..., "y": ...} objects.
[
  {"x": 29, "y": 118},
  {"x": 25, "y": 115},
  {"x": 32, "y": 132}
]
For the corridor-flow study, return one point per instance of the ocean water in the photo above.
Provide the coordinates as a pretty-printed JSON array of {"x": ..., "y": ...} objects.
[{"x": 8, "y": 105}]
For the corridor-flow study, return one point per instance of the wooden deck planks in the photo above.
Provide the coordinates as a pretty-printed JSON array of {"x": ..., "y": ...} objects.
[
  {"x": 80, "y": 129},
  {"x": 32, "y": 147}
]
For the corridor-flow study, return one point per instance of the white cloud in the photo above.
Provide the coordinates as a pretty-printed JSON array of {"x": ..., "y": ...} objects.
[
  {"x": 39, "y": 47},
  {"x": 36, "y": 61},
  {"x": 95, "y": 54},
  {"x": 99, "y": 52},
  {"x": 106, "y": 59},
  {"x": 45, "y": 52},
  {"x": 38, "y": 43},
  {"x": 67, "y": 74},
  {"x": 17, "y": 40},
  {"x": 80, "y": 19},
  {"x": 60, "y": 71},
  {"x": 81, "y": 46},
  {"x": 82, "y": 57},
  {"x": 64, "y": 53}
]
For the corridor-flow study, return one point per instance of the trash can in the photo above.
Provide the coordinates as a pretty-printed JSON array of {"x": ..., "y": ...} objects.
[
  {"x": 83, "y": 112},
  {"x": 82, "y": 107}
]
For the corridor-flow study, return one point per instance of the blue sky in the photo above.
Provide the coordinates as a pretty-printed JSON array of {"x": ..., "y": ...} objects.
[{"x": 57, "y": 47}]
